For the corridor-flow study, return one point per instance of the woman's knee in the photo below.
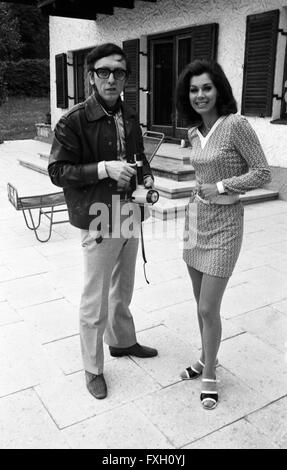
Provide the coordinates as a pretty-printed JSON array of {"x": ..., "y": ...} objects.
[{"x": 208, "y": 313}]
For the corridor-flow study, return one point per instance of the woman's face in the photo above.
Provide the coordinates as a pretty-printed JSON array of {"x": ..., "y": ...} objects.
[{"x": 202, "y": 94}]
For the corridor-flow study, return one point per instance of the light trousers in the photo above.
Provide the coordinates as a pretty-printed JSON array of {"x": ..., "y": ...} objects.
[{"x": 109, "y": 273}]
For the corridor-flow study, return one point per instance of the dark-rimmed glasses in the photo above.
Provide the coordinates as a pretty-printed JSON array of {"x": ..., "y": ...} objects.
[{"x": 104, "y": 73}]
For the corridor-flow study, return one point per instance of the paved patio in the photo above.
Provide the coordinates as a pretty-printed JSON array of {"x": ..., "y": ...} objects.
[{"x": 43, "y": 399}]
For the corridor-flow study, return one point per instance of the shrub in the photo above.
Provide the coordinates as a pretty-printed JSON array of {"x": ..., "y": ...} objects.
[{"x": 28, "y": 77}]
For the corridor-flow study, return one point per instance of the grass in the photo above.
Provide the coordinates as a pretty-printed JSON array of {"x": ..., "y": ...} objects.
[{"x": 19, "y": 115}]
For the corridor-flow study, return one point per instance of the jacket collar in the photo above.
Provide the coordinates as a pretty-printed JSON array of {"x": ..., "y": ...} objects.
[{"x": 94, "y": 111}]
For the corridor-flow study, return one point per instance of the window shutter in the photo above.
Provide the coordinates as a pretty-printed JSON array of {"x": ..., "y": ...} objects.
[
  {"x": 61, "y": 81},
  {"x": 259, "y": 63},
  {"x": 204, "y": 42},
  {"x": 131, "y": 92}
]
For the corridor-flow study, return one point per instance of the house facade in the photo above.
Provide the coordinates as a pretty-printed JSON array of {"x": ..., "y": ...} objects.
[{"x": 247, "y": 38}]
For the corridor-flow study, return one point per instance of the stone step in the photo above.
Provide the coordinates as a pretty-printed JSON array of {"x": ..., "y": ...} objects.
[
  {"x": 174, "y": 195},
  {"x": 166, "y": 209},
  {"x": 172, "y": 189},
  {"x": 175, "y": 169},
  {"x": 35, "y": 163},
  {"x": 174, "y": 152}
]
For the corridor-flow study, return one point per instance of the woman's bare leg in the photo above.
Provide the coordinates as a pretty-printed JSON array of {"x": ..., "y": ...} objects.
[
  {"x": 211, "y": 293},
  {"x": 196, "y": 279}
]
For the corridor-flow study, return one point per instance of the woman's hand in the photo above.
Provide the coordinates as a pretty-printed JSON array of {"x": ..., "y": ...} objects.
[
  {"x": 148, "y": 182},
  {"x": 208, "y": 191}
]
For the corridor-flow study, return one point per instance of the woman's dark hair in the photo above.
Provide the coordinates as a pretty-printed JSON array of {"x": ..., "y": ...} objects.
[
  {"x": 225, "y": 103},
  {"x": 104, "y": 50}
]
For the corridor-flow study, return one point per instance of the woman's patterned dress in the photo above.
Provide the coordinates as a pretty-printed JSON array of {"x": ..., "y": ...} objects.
[{"x": 230, "y": 153}]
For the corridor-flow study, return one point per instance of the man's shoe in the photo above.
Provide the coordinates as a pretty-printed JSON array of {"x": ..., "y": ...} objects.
[
  {"x": 136, "y": 350},
  {"x": 96, "y": 385}
]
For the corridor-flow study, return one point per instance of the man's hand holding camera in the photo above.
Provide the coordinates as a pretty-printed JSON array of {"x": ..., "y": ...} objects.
[{"x": 121, "y": 172}]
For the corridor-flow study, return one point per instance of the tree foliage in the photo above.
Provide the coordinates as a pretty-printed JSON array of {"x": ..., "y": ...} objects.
[
  {"x": 10, "y": 37},
  {"x": 24, "y": 32}
]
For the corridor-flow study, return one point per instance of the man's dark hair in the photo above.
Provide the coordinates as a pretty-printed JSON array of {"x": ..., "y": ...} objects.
[
  {"x": 225, "y": 103},
  {"x": 104, "y": 50}
]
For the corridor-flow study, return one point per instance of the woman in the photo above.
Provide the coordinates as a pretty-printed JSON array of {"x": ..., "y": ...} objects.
[{"x": 228, "y": 160}]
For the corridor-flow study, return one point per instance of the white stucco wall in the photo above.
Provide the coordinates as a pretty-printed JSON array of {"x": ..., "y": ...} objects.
[{"x": 164, "y": 15}]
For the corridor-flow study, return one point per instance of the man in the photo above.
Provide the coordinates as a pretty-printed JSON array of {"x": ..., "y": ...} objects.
[{"x": 92, "y": 158}]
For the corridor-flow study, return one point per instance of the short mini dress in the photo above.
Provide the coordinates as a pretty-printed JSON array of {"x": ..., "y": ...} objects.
[{"x": 231, "y": 153}]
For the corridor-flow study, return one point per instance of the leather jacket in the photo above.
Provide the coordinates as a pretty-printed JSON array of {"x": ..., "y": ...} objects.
[{"x": 83, "y": 137}]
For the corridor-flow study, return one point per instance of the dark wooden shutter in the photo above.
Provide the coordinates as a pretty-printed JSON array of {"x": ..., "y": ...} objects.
[
  {"x": 204, "y": 42},
  {"x": 131, "y": 92},
  {"x": 259, "y": 63},
  {"x": 61, "y": 81}
]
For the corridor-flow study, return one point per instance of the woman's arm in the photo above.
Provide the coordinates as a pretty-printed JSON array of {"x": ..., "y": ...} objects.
[{"x": 247, "y": 145}]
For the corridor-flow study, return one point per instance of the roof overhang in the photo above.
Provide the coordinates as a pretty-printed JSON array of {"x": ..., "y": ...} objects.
[{"x": 79, "y": 8}]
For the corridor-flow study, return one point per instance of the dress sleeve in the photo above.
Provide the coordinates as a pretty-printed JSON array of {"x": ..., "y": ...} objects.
[{"x": 247, "y": 145}]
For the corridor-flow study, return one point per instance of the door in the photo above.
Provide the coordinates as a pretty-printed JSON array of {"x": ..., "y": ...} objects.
[
  {"x": 169, "y": 53},
  {"x": 162, "y": 86}
]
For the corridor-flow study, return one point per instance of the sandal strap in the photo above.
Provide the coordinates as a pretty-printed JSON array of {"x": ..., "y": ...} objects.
[
  {"x": 210, "y": 380},
  {"x": 201, "y": 363},
  {"x": 193, "y": 369},
  {"x": 207, "y": 392}
]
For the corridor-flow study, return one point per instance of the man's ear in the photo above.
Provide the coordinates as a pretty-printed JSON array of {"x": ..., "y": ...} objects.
[{"x": 91, "y": 78}]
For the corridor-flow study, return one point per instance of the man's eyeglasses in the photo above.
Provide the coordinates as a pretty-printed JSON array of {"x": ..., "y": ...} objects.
[{"x": 119, "y": 74}]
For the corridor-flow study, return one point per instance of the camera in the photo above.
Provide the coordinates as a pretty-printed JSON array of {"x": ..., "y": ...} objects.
[{"x": 142, "y": 195}]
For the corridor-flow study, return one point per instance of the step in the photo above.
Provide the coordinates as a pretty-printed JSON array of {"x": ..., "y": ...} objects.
[
  {"x": 35, "y": 163},
  {"x": 44, "y": 156},
  {"x": 175, "y": 169},
  {"x": 172, "y": 189},
  {"x": 174, "y": 152},
  {"x": 166, "y": 208}
]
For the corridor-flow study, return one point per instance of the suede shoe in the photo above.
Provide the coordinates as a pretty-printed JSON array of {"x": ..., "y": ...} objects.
[
  {"x": 136, "y": 350},
  {"x": 96, "y": 385}
]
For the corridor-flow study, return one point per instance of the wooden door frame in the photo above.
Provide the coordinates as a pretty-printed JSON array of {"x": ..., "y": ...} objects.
[{"x": 173, "y": 35}]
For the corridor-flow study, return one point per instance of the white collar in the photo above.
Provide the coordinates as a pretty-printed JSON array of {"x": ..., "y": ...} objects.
[{"x": 204, "y": 140}]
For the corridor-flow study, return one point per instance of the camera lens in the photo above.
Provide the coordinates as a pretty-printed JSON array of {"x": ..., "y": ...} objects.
[{"x": 152, "y": 196}]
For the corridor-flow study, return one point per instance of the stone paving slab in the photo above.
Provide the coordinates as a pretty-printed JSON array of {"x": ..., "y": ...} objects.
[
  {"x": 176, "y": 411},
  {"x": 243, "y": 298},
  {"x": 162, "y": 295},
  {"x": 165, "y": 368},
  {"x": 281, "y": 306},
  {"x": 25, "y": 424},
  {"x": 23, "y": 363},
  {"x": 52, "y": 320},
  {"x": 239, "y": 435},
  {"x": 252, "y": 361},
  {"x": 267, "y": 324},
  {"x": 122, "y": 428},
  {"x": 31, "y": 290},
  {"x": 69, "y": 402},
  {"x": 8, "y": 314},
  {"x": 182, "y": 320},
  {"x": 66, "y": 353},
  {"x": 272, "y": 421}
]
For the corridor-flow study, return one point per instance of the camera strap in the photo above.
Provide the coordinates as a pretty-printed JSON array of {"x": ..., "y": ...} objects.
[{"x": 143, "y": 253}]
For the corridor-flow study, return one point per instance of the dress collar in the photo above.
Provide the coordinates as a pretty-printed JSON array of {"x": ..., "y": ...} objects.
[{"x": 204, "y": 140}]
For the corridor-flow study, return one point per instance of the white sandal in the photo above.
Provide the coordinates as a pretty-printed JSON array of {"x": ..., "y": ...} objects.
[
  {"x": 209, "y": 396},
  {"x": 191, "y": 373}
]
